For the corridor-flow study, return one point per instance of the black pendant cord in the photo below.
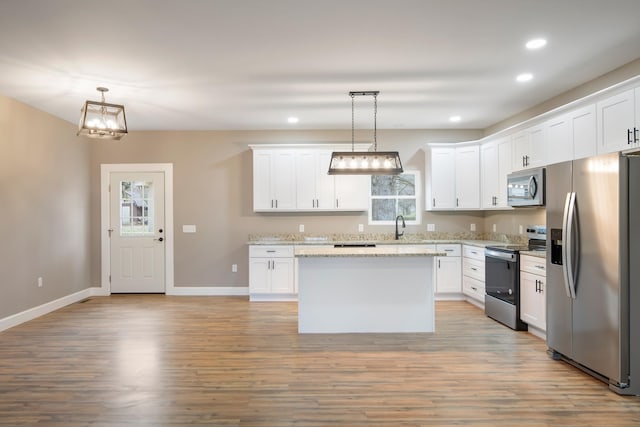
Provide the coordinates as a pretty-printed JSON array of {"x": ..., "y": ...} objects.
[
  {"x": 353, "y": 121},
  {"x": 375, "y": 122}
]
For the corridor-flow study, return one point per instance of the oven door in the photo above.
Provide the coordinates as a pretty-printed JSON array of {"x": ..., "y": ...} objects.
[{"x": 501, "y": 275}]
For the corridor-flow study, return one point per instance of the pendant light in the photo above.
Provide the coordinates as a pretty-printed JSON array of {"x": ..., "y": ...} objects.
[
  {"x": 101, "y": 120},
  {"x": 365, "y": 162}
]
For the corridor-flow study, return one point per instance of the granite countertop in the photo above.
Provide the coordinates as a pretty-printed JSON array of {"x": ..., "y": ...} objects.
[
  {"x": 537, "y": 254},
  {"x": 378, "y": 242},
  {"x": 378, "y": 251}
]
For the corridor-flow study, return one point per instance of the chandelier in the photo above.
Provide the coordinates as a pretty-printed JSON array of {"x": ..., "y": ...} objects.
[
  {"x": 365, "y": 162},
  {"x": 102, "y": 120}
]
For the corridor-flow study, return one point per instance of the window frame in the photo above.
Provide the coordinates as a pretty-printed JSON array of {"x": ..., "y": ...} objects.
[{"x": 416, "y": 196}]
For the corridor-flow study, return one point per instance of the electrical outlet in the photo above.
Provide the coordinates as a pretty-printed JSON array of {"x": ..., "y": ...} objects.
[
  {"x": 234, "y": 268},
  {"x": 473, "y": 227},
  {"x": 360, "y": 228},
  {"x": 301, "y": 228},
  {"x": 431, "y": 227},
  {"x": 40, "y": 283},
  {"x": 495, "y": 228},
  {"x": 520, "y": 229}
]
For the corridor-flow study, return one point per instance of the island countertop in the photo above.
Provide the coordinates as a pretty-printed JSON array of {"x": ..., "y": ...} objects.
[{"x": 377, "y": 251}]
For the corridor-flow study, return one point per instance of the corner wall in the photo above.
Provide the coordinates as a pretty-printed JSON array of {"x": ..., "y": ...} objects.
[{"x": 44, "y": 208}]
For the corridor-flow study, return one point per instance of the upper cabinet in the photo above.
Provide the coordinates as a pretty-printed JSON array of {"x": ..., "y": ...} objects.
[
  {"x": 528, "y": 148},
  {"x": 296, "y": 180},
  {"x": 495, "y": 165},
  {"x": 274, "y": 180},
  {"x": 619, "y": 122},
  {"x": 571, "y": 135},
  {"x": 453, "y": 176}
]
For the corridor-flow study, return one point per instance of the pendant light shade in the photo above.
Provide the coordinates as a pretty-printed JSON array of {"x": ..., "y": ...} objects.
[
  {"x": 365, "y": 162},
  {"x": 101, "y": 120}
]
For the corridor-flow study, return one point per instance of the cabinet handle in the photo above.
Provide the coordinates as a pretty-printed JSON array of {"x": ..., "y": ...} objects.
[
  {"x": 523, "y": 162},
  {"x": 474, "y": 269},
  {"x": 337, "y": 203},
  {"x": 438, "y": 263},
  {"x": 628, "y": 136},
  {"x": 276, "y": 203},
  {"x": 539, "y": 266},
  {"x": 448, "y": 250},
  {"x": 457, "y": 202},
  {"x": 271, "y": 251},
  {"x": 434, "y": 202},
  {"x": 635, "y": 135},
  {"x": 474, "y": 288}
]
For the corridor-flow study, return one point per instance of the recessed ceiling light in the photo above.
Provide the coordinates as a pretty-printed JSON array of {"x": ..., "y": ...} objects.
[
  {"x": 455, "y": 119},
  {"x": 536, "y": 43},
  {"x": 292, "y": 120},
  {"x": 524, "y": 77}
]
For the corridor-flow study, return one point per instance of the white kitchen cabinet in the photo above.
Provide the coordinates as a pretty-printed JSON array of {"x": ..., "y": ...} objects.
[
  {"x": 295, "y": 179},
  {"x": 271, "y": 272},
  {"x": 619, "y": 122},
  {"x": 473, "y": 279},
  {"x": 495, "y": 165},
  {"x": 448, "y": 271},
  {"x": 468, "y": 177},
  {"x": 453, "y": 177},
  {"x": 315, "y": 188},
  {"x": 352, "y": 192},
  {"x": 529, "y": 148},
  {"x": 584, "y": 131},
  {"x": 533, "y": 304},
  {"x": 274, "y": 184}
]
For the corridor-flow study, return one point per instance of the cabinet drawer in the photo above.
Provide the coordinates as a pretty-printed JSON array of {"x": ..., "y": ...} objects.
[
  {"x": 474, "y": 252},
  {"x": 473, "y": 268},
  {"x": 473, "y": 288},
  {"x": 450, "y": 249},
  {"x": 534, "y": 265},
  {"x": 275, "y": 251}
]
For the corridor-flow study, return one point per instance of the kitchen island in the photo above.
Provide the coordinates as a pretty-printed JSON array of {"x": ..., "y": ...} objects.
[{"x": 366, "y": 289}]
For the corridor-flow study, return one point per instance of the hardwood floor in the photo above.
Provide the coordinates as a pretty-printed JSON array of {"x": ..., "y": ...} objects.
[{"x": 154, "y": 360}]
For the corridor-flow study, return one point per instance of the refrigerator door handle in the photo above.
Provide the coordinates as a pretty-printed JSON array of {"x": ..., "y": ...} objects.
[
  {"x": 569, "y": 244},
  {"x": 565, "y": 244}
]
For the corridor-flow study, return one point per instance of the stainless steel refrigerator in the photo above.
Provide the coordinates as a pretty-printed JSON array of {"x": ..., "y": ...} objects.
[{"x": 593, "y": 267}]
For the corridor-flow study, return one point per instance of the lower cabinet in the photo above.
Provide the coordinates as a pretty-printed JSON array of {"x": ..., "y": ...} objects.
[
  {"x": 473, "y": 280},
  {"x": 271, "y": 272},
  {"x": 533, "y": 304},
  {"x": 448, "y": 268}
]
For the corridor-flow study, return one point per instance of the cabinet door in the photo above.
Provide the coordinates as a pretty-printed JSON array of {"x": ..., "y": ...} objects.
[
  {"x": 352, "y": 192},
  {"x": 448, "y": 274},
  {"x": 520, "y": 149},
  {"x": 584, "y": 132},
  {"x": 283, "y": 182},
  {"x": 532, "y": 300},
  {"x": 443, "y": 175},
  {"x": 559, "y": 142},
  {"x": 262, "y": 196},
  {"x": 537, "y": 150},
  {"x": 325, "y": 183},
  {"x": 615, "y": 122},
  {"x": 504, "y": 169},
  {"x": 282, "y": 278},
  {"x": 490, "y": 174},
  {"x": 467, "y": 177},
  {"x": 307, "y": 180},
  {"x": 259, "y": 275}
]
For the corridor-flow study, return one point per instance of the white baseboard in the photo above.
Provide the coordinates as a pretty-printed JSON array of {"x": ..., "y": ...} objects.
[
  {"x": 209, "y": 290},
  {"x": 46, "y": 308}
]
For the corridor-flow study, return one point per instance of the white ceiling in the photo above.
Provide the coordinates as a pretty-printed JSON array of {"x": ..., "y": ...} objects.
[{"x": 250, "y": 64}]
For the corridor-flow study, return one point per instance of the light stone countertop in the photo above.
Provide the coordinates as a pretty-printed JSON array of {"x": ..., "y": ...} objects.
[
  {"x": 537, "y": 254},
  {"x": 378, "y": 251},
  {"x": 401, "y": 242}
]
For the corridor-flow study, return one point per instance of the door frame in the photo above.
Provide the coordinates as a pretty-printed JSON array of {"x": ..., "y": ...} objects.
[{"x": 105, "y": 205}]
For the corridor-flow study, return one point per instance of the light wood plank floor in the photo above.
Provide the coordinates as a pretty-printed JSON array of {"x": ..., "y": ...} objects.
[{"x": 222, "y": 361}]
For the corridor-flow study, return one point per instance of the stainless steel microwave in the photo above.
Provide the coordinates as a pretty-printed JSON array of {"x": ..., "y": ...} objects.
[{"x": 526, "y": 188}]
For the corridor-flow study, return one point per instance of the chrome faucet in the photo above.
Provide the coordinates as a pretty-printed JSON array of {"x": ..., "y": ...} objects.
[{"x": 398, "y": 235}]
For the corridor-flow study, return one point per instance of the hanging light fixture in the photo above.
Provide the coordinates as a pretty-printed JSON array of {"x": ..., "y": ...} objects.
[
  {"x": 101, "y": 120},
  {"x": 365, "y": 162}
]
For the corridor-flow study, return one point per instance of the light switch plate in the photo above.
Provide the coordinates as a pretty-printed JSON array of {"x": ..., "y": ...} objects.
[
  {"x": 301, "y": 228},
  {"x": 188, "y": 228},
  {"x": 360, "y": 228},
  {"x": 473, "y": 227},
  {"x": 431, "y": 227}
]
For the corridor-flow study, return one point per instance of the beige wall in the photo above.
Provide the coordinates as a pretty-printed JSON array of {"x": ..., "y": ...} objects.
[
  {"x": 213, "y": 190},
  {"x": 44, "y": 208}
]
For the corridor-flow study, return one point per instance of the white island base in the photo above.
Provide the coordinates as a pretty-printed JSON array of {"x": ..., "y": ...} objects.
[{"x": 347, "y": 294}]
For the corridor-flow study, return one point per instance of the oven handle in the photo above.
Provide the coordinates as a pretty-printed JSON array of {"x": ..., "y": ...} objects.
[
  {"x": 500, "y": 255},
  {"x": 567, "y": 244}
]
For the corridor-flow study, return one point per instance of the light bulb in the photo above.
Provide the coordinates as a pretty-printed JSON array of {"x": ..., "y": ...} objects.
[
  {"x": 387, "y": 163},
  {"x": 342, "y": 164},
  {"x": 354, "y": 163},
  {"x": 375, "y": 163},
  {"x": 364, "y": 163}
]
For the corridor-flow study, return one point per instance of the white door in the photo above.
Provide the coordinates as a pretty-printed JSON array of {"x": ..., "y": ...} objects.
[{"x": 137, "y": 230}]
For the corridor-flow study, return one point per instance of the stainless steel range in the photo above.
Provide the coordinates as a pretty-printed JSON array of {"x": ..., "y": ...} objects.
[{"x": 502, "y": 279}]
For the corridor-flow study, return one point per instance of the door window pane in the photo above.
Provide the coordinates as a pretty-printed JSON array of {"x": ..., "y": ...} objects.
[{"x": 136, "y": 208}]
